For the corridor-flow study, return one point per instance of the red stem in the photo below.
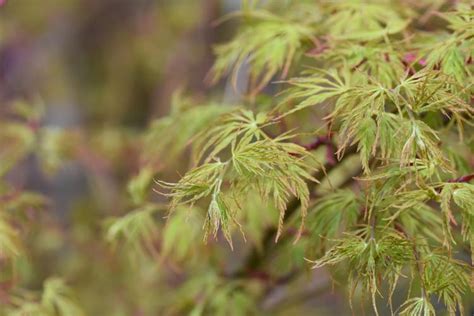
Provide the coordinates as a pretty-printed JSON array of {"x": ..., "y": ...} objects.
[
  {"x": 319, "y": 141},
  {"x": 465, "y": 178}
]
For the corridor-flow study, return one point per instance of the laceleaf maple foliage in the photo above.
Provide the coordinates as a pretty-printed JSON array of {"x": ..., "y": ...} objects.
[{"x": 348, "y": 158}]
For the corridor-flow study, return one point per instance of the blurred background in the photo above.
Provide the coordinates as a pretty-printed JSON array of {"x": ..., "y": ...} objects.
[
  {"x": 85, "y": 79},
  {"x": 76, "y": 55}
]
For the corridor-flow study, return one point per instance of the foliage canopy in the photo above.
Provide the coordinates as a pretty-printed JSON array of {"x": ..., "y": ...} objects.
[{"x": 350, "y": 151}]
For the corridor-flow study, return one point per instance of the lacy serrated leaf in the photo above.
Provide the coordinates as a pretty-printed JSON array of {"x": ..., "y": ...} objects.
[
  {"x": 417, "y": 306},
  {"x": 239, "y": 124},
  {"x": 180, "y": 235},
  {"x": 349, "y": 22},
  {"x": 411, "y": 210},
  {"x": 333, "y": 213},
  {"x": 16, "y": 140},
  {"x": 317, "y": 87},
  {"x": 365, "y": 138},
  {"x": 203, "y": 181},
  {"x": 383, "y": 63},
  {"x": 219, "y": 215},
  {"x": 422, "y": 142},
  {"x": 139, "y": 185},
  {"x": 446, "y": 278},
  {"x": 168, "y": 136},
  {"x": 267, "y": 46},
  {"x": 11, "y": 246},
  {"x": 217, "y": 297},
  {"x": 137, "y": 230},
  {"x": 59, "y": 300},
  {"x": 369, "y": 257},
  {"x": 451, "y": 52},
  {"x": 277, "y": 170},
  {"x": 29, "y": 309},
  {"x": 388, "y": 127},
  {"x": 463, "y": 196},
  {"x": 194, "y": 185}
]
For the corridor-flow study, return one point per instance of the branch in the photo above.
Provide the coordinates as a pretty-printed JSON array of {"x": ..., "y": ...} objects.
[
  {"x": 462, "y": 179},
  {"x": 319, "y": 141},
  {"x": 466, "y": 178}
]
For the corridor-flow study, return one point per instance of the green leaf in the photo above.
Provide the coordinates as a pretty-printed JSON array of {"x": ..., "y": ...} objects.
[
  {"x": 181, "y": 233},
  {"x": 58, "y": 299},
  {"x": 369, "y": 257},
  {"x": 137, "y": 230},
  {"x": 219, "y": 214},
  {"x": 365, "y": 138},
  {"x": 269, "y": 45},
  {"x": 333, "y": 214},
  {"x": 276, "y": 170},
  {"x": 195, "y": 184},
  {"x": 316, "y": 88},
  {"x": 349, "y": 22},
  {"x": 446, "y": 278},
  {"x": 11, "y": 246},
  {"x": 232, "y": 126},
  {"x": 167, "y": 137},
  {"x": 139, "y": 185},
  {"x": 417, "y": 306}
]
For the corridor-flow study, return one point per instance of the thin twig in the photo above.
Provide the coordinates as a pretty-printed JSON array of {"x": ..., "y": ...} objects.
[{"x": 462, "y": 179}]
